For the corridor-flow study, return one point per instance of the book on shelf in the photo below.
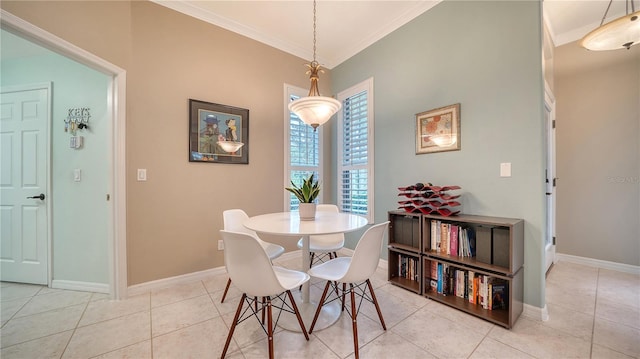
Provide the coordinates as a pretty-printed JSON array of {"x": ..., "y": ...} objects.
[
  {"x": 453, "y": 240},
  {"x": 440, "y": 278},
  {"x": 499, "y": 292},
  {"x": 471, "y": 292},
  {"x": 434, "y": 237},
  {"x": 444, "y": 238}
]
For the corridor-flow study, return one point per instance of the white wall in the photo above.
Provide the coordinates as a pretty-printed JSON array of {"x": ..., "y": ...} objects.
[
  {"x": 79, "y": 208},
  {"x": 598, "y": 153}
]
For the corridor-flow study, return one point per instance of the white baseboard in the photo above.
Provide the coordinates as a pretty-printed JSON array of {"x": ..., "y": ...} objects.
[
  {"x": 165, "y": 282},
  {"x": 620, "y": 267},
  {"x": 80, "y": 286},
  {"x": 190, "y": 277},
  {"x": 535, "y": 313}
]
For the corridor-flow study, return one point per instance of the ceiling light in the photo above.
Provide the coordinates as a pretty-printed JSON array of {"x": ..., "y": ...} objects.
[
  {"x": 314, "y": 110},
  {"x": 620, "y": 33}
]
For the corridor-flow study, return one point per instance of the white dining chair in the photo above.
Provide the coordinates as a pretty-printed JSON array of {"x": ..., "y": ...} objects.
[
  {"x": 354, "y": 271},
  {"x": 253, "y": 274},
  {"x": 233, "y": 220},
  {"x": 321, "y": 246}
]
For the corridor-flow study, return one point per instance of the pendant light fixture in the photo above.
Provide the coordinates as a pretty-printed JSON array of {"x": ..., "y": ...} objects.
[
  {"x": 621, "y": 33},
  {"x": 230, "y": 146},
  {"x": 314, "y": 110}
]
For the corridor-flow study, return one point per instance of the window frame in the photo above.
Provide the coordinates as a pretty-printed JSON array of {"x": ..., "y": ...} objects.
[
  {"x": 366, "y": 85},
  {"x": 290, "y": 90}
]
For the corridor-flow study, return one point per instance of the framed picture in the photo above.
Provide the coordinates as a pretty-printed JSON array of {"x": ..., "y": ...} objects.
[
  {"x": 212, "y": 126},
  {"x": 438, "y": 130}
]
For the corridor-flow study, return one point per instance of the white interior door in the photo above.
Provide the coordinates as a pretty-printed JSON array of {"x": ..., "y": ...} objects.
[
  {"x": 24, "y": 143},
  {"x": 550, "y": 232}
]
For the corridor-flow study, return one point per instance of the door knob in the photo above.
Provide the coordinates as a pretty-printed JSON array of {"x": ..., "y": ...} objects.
[{"x": 40, "y": 197}]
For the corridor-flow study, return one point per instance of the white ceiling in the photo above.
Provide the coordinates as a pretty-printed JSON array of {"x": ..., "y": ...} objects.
[
  {"x": 346, "y": 27},
  {"x": 570, "y": 20},
  {"x": 343, "y": 28}
]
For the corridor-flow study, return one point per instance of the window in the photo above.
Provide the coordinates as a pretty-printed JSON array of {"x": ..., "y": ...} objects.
[
  {"x": 302, "y": 148},
  {"x": 355, "y": 150}
]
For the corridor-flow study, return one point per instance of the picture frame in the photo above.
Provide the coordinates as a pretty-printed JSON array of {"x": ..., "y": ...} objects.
[
  {"x": 438, "y": 130},
  {"x": 212, "y": 123}
]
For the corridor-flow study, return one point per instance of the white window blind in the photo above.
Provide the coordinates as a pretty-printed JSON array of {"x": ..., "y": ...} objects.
[{"x": 355, "y": 166}]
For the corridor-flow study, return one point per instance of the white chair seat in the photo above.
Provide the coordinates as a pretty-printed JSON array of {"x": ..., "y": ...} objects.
[
  {"x": 324, "y": 244},
  {"x": 332, "y": 270},
  {"x": 290, "y": 279},
  {"x": 273, "y": 250}
]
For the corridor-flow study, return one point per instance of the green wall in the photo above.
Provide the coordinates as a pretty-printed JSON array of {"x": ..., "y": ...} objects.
[
  {"x": 79, "y": 209},
  {"x": 487, "y": 56}
]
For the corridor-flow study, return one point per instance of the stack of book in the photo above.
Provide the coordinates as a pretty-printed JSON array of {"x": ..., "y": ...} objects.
[
  {"x": 408, "y": 267},
  {"x": 486, "y": 291},
  {"x": 452, "y": 239}
]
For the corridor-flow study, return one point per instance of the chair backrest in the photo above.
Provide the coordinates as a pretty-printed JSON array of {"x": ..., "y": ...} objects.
[
  {"x": 328, "y": 237},
  {"x": 366, "y": 255},
  {"x": 248, "y": 265},
  {"x": 233, "y": 220}
]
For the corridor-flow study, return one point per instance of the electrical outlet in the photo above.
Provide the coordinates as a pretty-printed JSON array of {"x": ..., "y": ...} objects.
[{"x": 220, "y": 245}]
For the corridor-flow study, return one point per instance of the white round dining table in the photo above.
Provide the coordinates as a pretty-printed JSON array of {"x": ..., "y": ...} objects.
[{"x": 289, "y": 224}]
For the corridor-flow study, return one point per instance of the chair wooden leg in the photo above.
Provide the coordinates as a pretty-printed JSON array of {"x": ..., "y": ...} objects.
[
  {"x": 375, "y": 301},
  {"x": 226, "y": 289},
  {"x": 295, "y": 309},
  {"x": 354, "y": 321},
  {"x": 320, "y": 304},
  {"x": 270, "y": 327},
  {"x": 263, "y": 301},
  {"x": 233, "y": 325},
  {"x": 313, "y": 254}
]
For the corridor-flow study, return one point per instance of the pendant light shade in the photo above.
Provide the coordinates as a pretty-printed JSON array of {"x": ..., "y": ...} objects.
[
  {"x": 314, "y": 110},
  {"x": 621, "y": 33},
  {"x": 230, "y": 146}
]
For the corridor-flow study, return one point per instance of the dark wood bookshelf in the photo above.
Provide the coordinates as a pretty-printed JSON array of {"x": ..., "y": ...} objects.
[{"x": 410, "y": 235}]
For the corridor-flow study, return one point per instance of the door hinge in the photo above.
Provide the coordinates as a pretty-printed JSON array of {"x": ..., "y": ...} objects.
[
  {"x": 108, "y": 196},
  {"x": 554, "y": 181},
  {"x": 554, "y": 240},
  {"x": 553, "y": 124}
]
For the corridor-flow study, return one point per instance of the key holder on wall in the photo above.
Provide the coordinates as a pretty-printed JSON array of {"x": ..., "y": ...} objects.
[{"x": 77, "y": 119}]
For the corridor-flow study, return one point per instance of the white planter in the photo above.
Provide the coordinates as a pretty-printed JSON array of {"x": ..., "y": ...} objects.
[{"x": 307, "y": 211}]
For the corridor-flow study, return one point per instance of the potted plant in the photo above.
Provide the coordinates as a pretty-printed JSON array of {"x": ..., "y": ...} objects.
[{"x": 306, "y": 194}]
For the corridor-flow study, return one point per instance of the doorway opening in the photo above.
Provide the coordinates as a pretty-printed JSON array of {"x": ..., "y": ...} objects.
[{"x": 114, "y": 197}]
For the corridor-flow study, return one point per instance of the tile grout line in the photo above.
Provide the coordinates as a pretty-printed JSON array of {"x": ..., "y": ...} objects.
[
  {"x": 150, "y": 325},
  {"x": 76, "y": 326},
  {"x": 19, "y": 309},
  {"x": 595, "y": 306}
]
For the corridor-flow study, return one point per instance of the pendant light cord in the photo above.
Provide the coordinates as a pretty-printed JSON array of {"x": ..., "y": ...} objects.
[
  {"x": 633, "y": 9},
  {"x": 314, "y": 31}
]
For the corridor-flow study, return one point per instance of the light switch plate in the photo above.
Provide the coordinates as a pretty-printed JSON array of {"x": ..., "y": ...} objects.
[
  {"x": 142, "y": 174},
  {"x": 77, "y": 175},
  {"x": 505, "y": 169}
]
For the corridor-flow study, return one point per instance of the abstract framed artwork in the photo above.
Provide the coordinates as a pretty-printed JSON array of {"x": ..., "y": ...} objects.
[
  {"x": 438, "y": 130},
  {"x": 212, "y": 126}
]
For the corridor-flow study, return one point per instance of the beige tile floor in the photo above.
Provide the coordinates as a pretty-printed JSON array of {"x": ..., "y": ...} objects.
[{"x": 594, "y": 313}]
